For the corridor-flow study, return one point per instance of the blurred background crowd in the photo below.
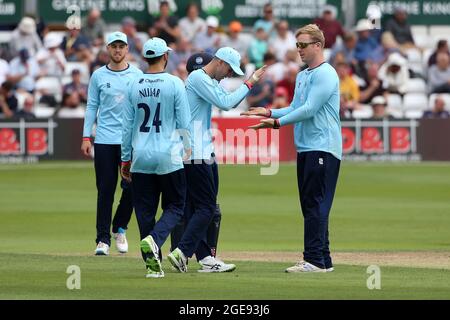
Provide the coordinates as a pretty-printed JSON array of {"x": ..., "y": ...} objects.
[{"x": 386, "y": 72}]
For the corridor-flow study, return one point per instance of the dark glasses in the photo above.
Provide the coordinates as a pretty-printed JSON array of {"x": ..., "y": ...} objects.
[{"x": 303, "y": 45}]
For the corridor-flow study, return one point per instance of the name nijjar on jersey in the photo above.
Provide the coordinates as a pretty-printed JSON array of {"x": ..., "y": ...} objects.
[{"x": 149, "y": 92}]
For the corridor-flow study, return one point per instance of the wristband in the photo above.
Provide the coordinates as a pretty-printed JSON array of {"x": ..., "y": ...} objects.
[
  {"x": 276, "y": 124},
  {"x": 268, "y": 113},
  {"x": 248, "y": 84},
  {"x": 86, "y": 139},
  {"x": 125, "y": 163}
]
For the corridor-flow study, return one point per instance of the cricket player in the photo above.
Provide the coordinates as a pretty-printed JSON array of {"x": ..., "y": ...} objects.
[
  {"x": 195, "y": 62},
  {"x": 106, "y": 99},
  {"x": 204, "y": 91},
  {"x": 314, "y": 111},
  {"x": 155, "y": 132}
]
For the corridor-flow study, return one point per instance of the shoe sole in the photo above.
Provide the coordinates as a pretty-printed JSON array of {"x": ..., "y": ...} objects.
[
  {"x": 100, "y": 253},
  {"x": 174, "y": 262},
  {"x": 217, "y": 271},
  {"x": 154, "y": 276}
]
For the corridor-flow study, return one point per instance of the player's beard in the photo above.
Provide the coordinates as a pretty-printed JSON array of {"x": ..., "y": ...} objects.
[{"x": 117, "y": 61}]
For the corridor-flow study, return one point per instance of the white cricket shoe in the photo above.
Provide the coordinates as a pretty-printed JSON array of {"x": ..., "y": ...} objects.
[
  {"x": 121, "y": 241},
  {"x": 330, "y": 269},
  {"x": 211, "y": 264},
  {"x": 102, "y": 249},
  {"x": 304, "y": 266}
]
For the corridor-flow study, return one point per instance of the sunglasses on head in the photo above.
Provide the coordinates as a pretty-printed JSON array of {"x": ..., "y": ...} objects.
[{"x": 303, "y": 45}]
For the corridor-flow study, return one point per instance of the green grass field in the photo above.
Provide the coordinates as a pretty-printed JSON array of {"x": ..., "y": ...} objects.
[{"x": 47, "y": 214}]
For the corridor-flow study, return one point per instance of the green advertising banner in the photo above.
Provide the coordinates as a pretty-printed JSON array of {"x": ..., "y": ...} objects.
[
  {"x": 11, "y": 11},
  {"x": 297, "y": 12},
  {"x": 425, "y": 12}
]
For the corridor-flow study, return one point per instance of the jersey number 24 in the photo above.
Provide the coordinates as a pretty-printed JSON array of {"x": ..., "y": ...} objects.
[{"x": 156, "y": 122}]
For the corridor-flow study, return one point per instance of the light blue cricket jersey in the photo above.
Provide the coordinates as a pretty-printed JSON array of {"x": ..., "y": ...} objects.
[
  {"x": 157, "y": 106},
  {"x": 203, "y": 92},
  {"x": 106, "y": 99},
  {"x": 315, "y": 111}
]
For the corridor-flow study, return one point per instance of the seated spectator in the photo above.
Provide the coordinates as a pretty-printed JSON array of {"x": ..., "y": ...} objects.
[
  {"x": 25, "y": 36},
  {"x": 261, "y": 93},
  {"x": 389, "y": 44},
  {"x": 267, "y": 22},
  {"x": 51, "y": 58},
  {"x": 191, "y": 24},
  {"x": 349, "y": 90},
  {"x": 379, "y": 105},
  {"x": 165, "y": 26},
  {"x": 439, "y": 74},
  {"x": 8, "y": 100},
  {"x": 180, "y": 53},
  {"x": 180, "y": 71},
  {"x": 438, "y": 111},
  {"x": 235, "y": 39},
  {"x": 258, "y": 48},
  {"x": 442, "y": 46},
  {"x": 208, "y": 41},
  {"x": 280, "y": 99},
  {"x": 329, "y": 25},
  {"x": 400, "y": 28},
  {"x": 93, "y": 27},
  {"x": 4, "y": 70},
  {"x": 101, "y": 60},
  {"x": 76, "y": 88},
  {"x": 288, "y": 81},
  {"x": 373, "y": 86},
  {"x": 275, "y": 70},
  {"x": 134, "y": 42},
  {"x": 76, "y": 46},
  {"x": 347, "y": 48},
  {"x": 394, "y": 74},
  {"x": 24, "y": 71},
  {"x": 367, "y": 47},
  {"x": 283, "y": 41},
  {"x": 27, "y": 112}
]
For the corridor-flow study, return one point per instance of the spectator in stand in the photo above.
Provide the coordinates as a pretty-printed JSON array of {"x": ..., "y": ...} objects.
[
  {"x": 51, "y": 59},
  {"x": 280, "y": 99},
  {"x": 8, "y": 100},
  {"x": 76, "y": 88},
  {"x": 25, "y": 36},
  {"x": 208, "y": 41},
  {"x": 101, "y": 60},
  {"x": 283, "y": 41},
  {"x": 93, "y": 27},
  {"x": 180, "y": 54},
  {"x": 275, "y": 70},
  {"x": 438, "y": 111},
  {"x": 367, "y": 47},
  {"x": 165, "y": 26},
  {"x": 347, "y": 48},
  {"x": 4, "y": 70},
  {"x": 372, "y": 86},
  {"x": 235, "y": 39},
  {"x": 134, "y": 43},
  {"x": 379, "y": 105},
  {"x": 395, "y": 74},
  {"x": 27, "y": 112},
  {"x": 400, "y": 28},
  {"x": 258, "y": 48},
  {"x": 349, "y": 90},
  {"x": 442, "y": 46},
  {"x": 439, "y": 74},
  {"x": 261, "y": 94},
  {"x": 293, "y": 58},
  {"x": 329, "y": 25},
  {"x": 288, "y": 82},
  {"x": 76, "y": 46},
  {"x": 267, "y": 23},
  {"x": 192, "y": 23},
  {"x": 24, "y": 71}
]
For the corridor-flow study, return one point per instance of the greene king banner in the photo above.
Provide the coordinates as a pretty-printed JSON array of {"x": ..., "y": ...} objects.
[
  {"x": 297, "y": 12},
  {"x": 234, "y": 143}
]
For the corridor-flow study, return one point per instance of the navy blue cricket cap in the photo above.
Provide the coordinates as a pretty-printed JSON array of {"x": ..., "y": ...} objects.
[{"x": 197, "y": 61}]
